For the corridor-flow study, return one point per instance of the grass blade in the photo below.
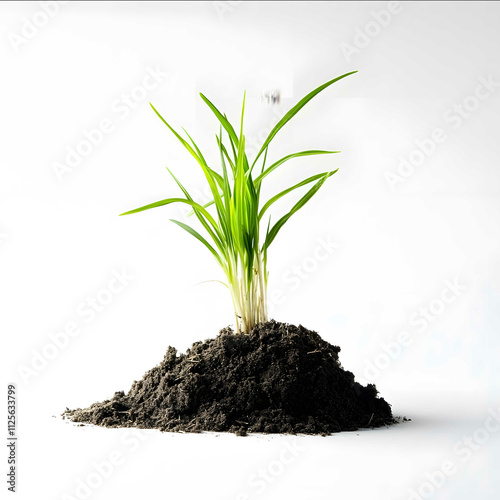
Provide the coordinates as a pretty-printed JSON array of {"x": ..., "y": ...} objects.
[
  {"x": 168, "y": 201},
  {"x": 223, "y": 120},
  {"x": 182, "y": 141},
  {"x": 288, "y": 116},
  {"x": 290, "y": 189},
  {"x": 209, "y": 173},
  {"x": 216, "y": 236},
  {"x": 199, "y": 237},
  {"x": 281, "y": 222},
  {"x": 276, "y": 164}
]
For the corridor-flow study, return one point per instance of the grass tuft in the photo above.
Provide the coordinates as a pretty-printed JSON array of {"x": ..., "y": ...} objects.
[{"x": 233, "y": 230}]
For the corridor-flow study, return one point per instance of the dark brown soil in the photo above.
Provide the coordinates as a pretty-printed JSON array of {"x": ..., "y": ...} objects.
[{"x": 278, "y": 379}]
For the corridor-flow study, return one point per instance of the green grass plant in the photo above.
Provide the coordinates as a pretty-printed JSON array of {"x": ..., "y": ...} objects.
[{"x": 237, "y": 228}]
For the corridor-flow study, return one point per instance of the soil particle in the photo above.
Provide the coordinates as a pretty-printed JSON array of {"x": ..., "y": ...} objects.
[{"x": 279, "y": 378}]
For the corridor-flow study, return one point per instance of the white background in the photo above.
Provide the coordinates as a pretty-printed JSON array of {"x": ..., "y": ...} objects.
[{"x": 395, "y": 245}]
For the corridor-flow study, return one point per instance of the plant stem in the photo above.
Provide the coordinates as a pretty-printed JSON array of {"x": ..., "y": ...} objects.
[{"x": 248, "y": 293}]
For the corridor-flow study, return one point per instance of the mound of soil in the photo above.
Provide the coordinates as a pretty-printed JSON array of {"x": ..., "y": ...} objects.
[{"x": 278, "y": 379}]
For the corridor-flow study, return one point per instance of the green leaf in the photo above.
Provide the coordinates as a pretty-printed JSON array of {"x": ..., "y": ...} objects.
[
  {"x": 199, "y": 237},
  {"x": 290, "y": 189},
  {"x": 214, "y": 233},
  {"x": 288, "y": 116},
  {"x": 209, "y": 174},
  {"x": 224, "y": 150},
  {"x": 168, "y": 201},
  {"x": 183, "y": 142},
  {"x": 223, "y": 120},
  {"x": 276, "y": 164},
  {"x": 281, "y": 222},
  {"x": 214, "y": 174},
  {"x": 226, "y": 188}
]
